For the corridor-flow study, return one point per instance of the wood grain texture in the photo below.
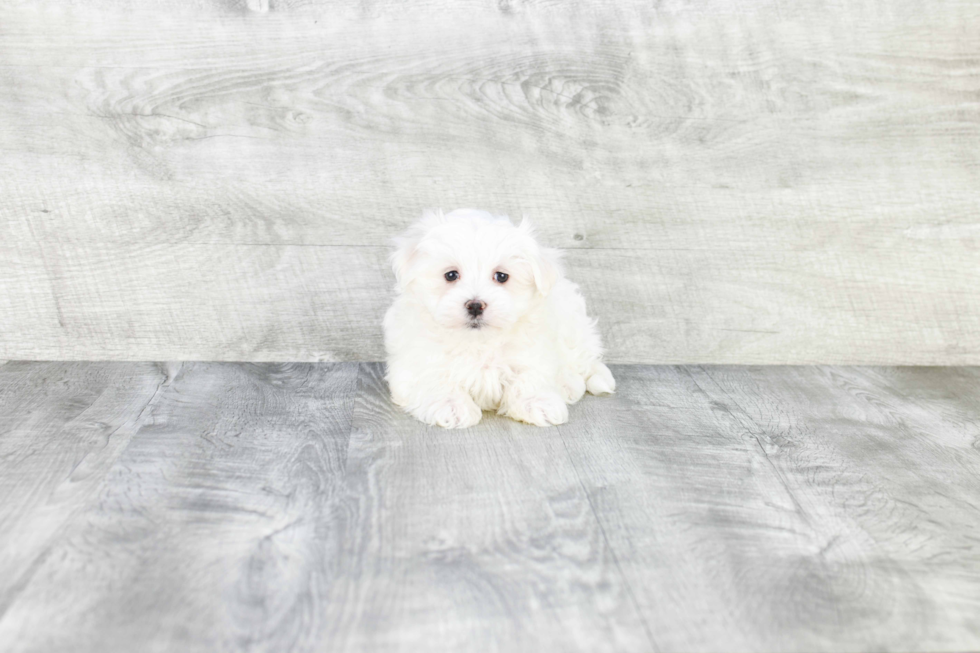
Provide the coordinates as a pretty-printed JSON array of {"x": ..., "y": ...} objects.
[
  {"x": 218, "y": 522},
  {"x": 261, "y": 508},
  {"x": 292, "y": 507},
  {"x": 803, "y": 509},
  {"x": 262, "y": 302},
  {"x": 478, "y": 540},
  {"x": 771, "y": 182},
  {"x": 62, "y": 427}
]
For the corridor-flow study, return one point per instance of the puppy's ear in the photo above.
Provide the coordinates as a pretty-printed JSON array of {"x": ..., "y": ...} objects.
[
  {"x": 545, "y": 262},
  {"x": 407, "y": 245},
  {"x": 546, "y": 268},
  {"x": 401, "y": 259}
]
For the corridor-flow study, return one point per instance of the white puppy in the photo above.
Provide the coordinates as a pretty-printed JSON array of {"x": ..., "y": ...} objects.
[{"x": 484, "y": 320}]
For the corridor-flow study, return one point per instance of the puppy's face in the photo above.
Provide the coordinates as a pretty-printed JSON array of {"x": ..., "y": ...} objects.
[{"x": 472, "y": 270}]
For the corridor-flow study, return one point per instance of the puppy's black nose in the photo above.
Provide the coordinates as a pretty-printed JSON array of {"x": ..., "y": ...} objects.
[{"x": 475, "y": 307}]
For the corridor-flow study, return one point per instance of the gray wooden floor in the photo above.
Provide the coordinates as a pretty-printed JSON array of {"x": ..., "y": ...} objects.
[{"x": 289, "y": 507}]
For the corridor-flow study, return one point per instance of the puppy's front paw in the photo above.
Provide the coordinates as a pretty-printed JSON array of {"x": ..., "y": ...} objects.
[
  {"x": 601, "y": 381},
  {"x": 572, "y": 387},
  {"x": 453, "y": 412},
  {"x": 542, "y": 409}
]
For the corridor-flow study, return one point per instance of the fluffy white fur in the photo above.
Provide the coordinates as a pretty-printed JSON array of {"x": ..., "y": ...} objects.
[{"x": 532, "y": 351}]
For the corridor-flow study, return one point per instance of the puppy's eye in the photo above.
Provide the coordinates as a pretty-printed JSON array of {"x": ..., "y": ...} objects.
[
  {"x": 501, "y": 277},
  {"x": 452, "y": 275}
]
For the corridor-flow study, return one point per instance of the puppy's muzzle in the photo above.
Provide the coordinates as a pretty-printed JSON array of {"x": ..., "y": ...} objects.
[{"x": 475, "y": 307}]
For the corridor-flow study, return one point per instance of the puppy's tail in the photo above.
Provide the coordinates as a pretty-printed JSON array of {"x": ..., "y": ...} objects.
[{"x": 600, "y": 381}]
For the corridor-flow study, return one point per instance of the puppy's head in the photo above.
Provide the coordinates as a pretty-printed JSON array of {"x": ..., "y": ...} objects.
[{"x": 473, "y": 270}]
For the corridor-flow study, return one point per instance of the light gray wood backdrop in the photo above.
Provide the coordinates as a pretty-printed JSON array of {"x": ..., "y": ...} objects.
[{"x": 733, "y": 182}]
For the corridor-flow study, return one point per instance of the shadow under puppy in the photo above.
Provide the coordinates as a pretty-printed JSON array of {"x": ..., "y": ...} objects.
[{"x": 485, "y": 320}]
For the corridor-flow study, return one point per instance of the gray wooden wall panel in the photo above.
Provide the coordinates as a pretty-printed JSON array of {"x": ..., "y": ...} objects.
[{"x": 764, "y": 182}]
